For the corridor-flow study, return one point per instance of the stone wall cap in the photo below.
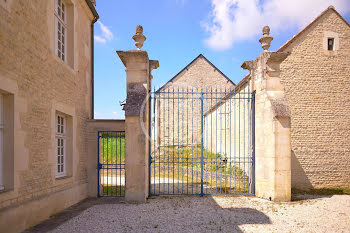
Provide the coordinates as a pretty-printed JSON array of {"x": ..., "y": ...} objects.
[
  {"x": 102, "y": 120},
  {"x": 277, "y": 56},
  {"x": 137, "y": 55}
]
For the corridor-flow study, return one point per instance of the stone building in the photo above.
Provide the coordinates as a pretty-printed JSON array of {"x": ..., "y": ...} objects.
[
  {"x": 46, "y": 67},
  {"x": 48, "y": 139},
  {"x": 313, "y": 85},
  {"x": 175, "y": 110}
]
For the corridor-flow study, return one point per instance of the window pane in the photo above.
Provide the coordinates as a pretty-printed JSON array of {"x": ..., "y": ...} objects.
[
  {"x": 61, "y": 167},
  {"x": 61, "y": 150},
  {"x": 63, "y": 57},
  {"x": 58, "y": 168},
  {"x": 62, "y": 129},
  {"x": 330, "y": 43}
]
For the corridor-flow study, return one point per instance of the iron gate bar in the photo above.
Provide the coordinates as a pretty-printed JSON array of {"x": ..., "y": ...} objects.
[
  {"x": 110, "y": 163},
  {"x": 182, "y": 156},
  {"x": 202, "y": 162}
]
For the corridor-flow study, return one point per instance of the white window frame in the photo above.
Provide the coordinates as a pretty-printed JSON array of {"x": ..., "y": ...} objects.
[
  {"x": 1, "y": 141},
  {"x": 61, "y": 19},
  {"x": 60, "y": 149}
]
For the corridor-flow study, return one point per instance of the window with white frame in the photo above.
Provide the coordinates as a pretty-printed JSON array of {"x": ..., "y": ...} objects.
[
  {"x": 60, "y": 146},
  {"x": 1, "y": 141},
  {"x": 60, "y": 29}
]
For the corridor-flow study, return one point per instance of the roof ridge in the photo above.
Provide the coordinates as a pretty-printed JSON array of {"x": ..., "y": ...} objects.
[{"x": 200, "y": 55}]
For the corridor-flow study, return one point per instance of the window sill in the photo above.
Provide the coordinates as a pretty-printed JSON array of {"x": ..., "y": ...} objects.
[
  {"x": 62, "y": 177},
  {"x": 65, "y": 64}
]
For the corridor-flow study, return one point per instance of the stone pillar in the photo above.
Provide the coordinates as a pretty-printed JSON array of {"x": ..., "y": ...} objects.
[
  {"x": 138, "y": 85},
  {"x": 272, "y": 121}
]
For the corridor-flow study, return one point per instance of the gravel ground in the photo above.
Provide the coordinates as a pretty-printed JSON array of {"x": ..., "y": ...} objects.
[{"x": 206, "y": 214}]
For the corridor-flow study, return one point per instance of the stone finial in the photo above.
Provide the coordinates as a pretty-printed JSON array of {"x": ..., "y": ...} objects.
[
  {"x": 139, "y": 38},
  {"x": 266, "y": 39}
]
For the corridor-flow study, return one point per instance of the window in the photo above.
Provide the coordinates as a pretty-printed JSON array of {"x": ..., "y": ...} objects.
[
  {"x": 60, "y": 29},
  {"x": 60, "y": 146},
  {"x": 330, "y": 44},
  {"x": 1, "y": 142}
]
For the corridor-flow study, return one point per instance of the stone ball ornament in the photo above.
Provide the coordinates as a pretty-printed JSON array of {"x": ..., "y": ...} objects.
[{"x": 139, "y": 38}]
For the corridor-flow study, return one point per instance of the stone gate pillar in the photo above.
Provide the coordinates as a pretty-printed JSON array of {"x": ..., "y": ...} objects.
[
  {"x": 272, "y": 121},
  {"x": 138, "y": 85}
]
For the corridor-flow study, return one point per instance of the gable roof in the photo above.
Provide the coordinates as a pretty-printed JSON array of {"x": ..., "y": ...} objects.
[
  {"x": 283, "y": 47},
  {"x": 186, "y": 67},
  {"x": 296, "y": 36},
  {"x": 290, "y": 41}
]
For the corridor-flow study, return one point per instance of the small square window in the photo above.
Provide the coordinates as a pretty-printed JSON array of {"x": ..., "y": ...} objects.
[{"x": 330, "y": 44}]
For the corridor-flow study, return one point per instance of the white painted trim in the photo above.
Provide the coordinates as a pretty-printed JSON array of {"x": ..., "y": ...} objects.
[
  {"x": 326, "y": 36},
  {"x": 60, "y": 135},
  {"x": 63, "y": 22}
]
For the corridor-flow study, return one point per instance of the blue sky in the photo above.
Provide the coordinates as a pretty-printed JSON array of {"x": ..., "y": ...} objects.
[{"x": 224, "y": 31}]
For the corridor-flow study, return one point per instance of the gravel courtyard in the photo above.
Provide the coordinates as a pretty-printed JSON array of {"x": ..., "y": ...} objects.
[{"x": 204, "y": 214}]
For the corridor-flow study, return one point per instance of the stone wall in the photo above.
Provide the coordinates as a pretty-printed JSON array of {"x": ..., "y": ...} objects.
[
  {"x": 178, "y": 115},
  {"x": 317, "y": 87},
  {"x": 39, "y": 85}
]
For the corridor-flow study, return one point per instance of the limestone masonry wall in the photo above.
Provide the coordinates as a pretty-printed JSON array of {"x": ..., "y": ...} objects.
[
  {"x": 317, "y": 85},
  {"x": 41, "y": 84},
  {"x": 185, "y": 113}
]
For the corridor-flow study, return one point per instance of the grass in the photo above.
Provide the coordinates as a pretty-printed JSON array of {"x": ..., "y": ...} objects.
[
  {"x": 113, "y": 190},
  {"x": 112, "y": 148},
  {"x": 191, "y": 157}
]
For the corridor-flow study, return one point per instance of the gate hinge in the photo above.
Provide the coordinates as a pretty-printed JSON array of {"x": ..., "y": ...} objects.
[{"x": 99, "y": 166}]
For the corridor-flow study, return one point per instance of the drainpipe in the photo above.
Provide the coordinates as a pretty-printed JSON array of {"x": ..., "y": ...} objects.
[{"x": 96, "y": 17}]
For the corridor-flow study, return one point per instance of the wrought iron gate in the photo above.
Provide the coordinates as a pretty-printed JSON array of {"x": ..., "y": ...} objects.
[
  {"x": 111, "y": 163},
  {"x": 201, "y": 142}
]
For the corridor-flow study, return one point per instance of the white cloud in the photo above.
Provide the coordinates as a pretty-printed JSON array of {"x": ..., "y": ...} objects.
[
  {"x": 109, "y": 115},
  {"x": 118, "y": 115},
  {"x": 237, "y": 20},
  {"x": 107, "y": 34},
  {"x": 100, "y": 39}
]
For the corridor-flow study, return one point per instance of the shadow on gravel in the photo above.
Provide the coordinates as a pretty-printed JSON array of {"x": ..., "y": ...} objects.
[
  {"x": 202, "y": 214},
  {"x": 69, "y": 213}
]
